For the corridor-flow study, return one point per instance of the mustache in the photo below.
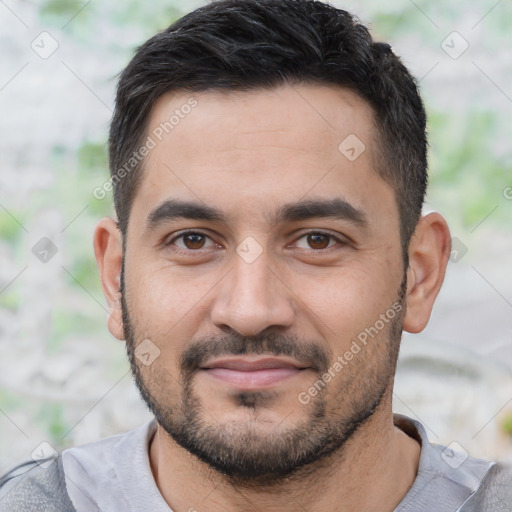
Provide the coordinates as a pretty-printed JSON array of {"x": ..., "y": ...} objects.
[{"x": 201, "y": 351}]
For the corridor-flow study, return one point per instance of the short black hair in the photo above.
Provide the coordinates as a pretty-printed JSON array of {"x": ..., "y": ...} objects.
[{"x": 254, "y": 44}]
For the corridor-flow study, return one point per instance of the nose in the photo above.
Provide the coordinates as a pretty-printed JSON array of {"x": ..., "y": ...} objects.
[{"x": 252, "y": 298}]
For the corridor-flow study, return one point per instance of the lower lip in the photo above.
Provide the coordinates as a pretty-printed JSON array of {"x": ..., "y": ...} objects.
[{"x": 254, "y": 379}]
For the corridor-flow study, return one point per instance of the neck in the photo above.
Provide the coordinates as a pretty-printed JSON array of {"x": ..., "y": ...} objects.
[{"x": 372, "y": 472}]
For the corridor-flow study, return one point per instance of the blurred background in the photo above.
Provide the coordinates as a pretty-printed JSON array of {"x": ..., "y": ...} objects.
[{"x": 65, "y": 381}]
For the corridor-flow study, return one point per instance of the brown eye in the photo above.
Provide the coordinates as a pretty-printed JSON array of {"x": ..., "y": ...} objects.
[
  {"x": 318, "y": 241},
  {"x": 194, "y": 241}
]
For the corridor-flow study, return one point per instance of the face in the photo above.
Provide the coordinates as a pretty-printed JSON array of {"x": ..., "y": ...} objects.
[{"x": 263, "y": 264}]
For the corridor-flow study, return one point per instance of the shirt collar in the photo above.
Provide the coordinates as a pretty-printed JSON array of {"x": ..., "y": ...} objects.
[{"x": 446, "y": 479}]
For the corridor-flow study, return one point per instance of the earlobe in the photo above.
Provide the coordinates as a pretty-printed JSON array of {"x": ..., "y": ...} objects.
[
  {"x": 429, "y": 251},
  {"x": 109, "y": 251}
]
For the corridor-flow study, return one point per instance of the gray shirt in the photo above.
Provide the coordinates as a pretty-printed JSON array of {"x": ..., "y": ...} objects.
[{"x": 114, "y": 475}]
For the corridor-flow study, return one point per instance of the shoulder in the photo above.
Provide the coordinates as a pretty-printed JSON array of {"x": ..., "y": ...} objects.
[
  {"x": 35, "y": 487},
  {"x": 494, "y": 493},
  {"x": 83, "y": 477}
]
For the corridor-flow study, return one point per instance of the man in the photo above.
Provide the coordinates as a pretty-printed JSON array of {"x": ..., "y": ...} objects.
[{"x": 269, "y": 166}]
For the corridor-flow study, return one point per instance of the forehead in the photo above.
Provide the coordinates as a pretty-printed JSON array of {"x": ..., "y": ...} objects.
[
  {"x": 250, "y": 150},
  {"x": 307, "y": 117}
]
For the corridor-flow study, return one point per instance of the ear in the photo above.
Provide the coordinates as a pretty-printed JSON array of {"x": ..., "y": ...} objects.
[
  {"x": 429, "y": 251},
  {"x": 108, "y": 250}
]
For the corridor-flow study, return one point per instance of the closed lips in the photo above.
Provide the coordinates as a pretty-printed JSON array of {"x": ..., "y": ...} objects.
[{"x": 246, "y": 365}]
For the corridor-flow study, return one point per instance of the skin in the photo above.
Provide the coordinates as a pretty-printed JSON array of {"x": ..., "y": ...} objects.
[{"x": 247, "y": 154}]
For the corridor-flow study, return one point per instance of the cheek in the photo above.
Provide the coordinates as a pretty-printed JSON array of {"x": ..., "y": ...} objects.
[
  {"x": 166, "y": 308},
  {"x": 345, "y": 303},
  {"x": 159, "y": 294}
]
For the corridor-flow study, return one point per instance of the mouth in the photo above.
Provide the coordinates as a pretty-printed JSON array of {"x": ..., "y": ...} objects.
[{"x": 253, "y": 373}]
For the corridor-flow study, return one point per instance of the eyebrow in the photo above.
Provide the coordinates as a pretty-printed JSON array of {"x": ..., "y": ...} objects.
[
  {"x": 336, "y": 208},
  {"x": 176, "y": 209}
]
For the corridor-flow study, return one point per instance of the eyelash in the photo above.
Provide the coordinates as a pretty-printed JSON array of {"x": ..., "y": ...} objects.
[
  {"x": 191, "y": 232},
  {"x": 182, "y": 235}
]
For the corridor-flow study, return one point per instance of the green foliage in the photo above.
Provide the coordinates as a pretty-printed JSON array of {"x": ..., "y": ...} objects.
[
  {"x": 11, "y": 229},
  {"x": 10, "y": 299},
  {"x": 135, "y": 13},
  {"x": 93, "y": 170},
  {"x": 465, "y": 176},
  {"x": 50, "y": 416},
  {"x": 388, "y": 26},
  {"x": 92, "y": 156},
  {"x": 73, "y": 15},
  {"x": 66, "y": 324},
  {"x": 507, "y": 424},
  {"x": 84, "y": 271},
  {"x": 9, "y": 400},
  {"x": 60, "y": 7}
]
